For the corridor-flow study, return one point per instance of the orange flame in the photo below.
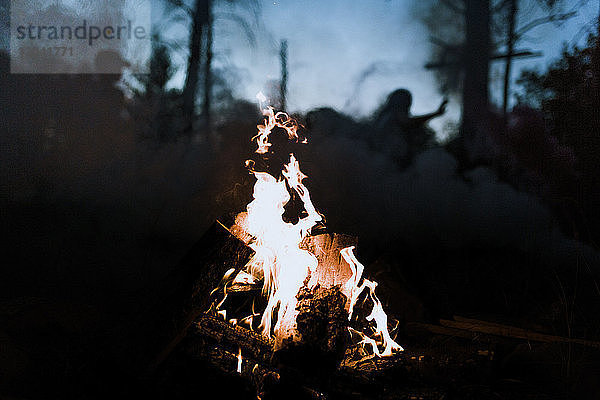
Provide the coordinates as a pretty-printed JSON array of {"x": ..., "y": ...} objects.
[
  {"x": 281, "y": 120},
  {"x": 239, "y": 360},
  {"x": 353, "y": 290},
  {"x": 278, "y": 259}
]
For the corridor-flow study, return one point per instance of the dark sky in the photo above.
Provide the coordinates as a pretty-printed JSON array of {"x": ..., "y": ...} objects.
[
  {"x": 332, "y": 43},
  {"x": 348, "y": 54}
]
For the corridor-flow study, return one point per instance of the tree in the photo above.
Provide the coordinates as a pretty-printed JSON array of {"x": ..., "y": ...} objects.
[
  {"x": 474, "y": 31},
  {"x": 208, "y": 66},
  {"x": 567, "y": 95},
  {"x": 476, "y": 68},
  {"x": 154, "y": 106},
  {"x": 514, "y": 34},
  {"x": 200, "y": 17},
  {"x": 161, "y": 69},
  {"x": 510, "y": 48},
  {"x": 283, "y": 54}
]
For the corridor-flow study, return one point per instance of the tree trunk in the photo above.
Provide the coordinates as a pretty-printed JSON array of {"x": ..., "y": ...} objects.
[
  {"x": 284, "y": 74},
  {"x": 597, "y": 67},
  {"x": 510, "y": 46},
  {"x": 207, "y": 66},
  {"x": 195, "y": 48},
  {"x": 475, "y": 87}
]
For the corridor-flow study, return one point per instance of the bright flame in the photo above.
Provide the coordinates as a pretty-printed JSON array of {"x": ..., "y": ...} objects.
[
  {"x": 278, "y": 259},
  {"x": 281, "y": 120},
  {"x": 353, "y": 290},
  {"x": 239, "y": 358}
]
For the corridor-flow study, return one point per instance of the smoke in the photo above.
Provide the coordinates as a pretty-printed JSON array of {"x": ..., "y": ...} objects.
[
  {"x": 430, "y": 204},
  {"x": 90, "y": 211},
  {"x": 89, "y": 206}
]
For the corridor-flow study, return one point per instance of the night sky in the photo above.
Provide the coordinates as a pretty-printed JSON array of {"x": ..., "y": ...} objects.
[{"x": 332, "y": 44}]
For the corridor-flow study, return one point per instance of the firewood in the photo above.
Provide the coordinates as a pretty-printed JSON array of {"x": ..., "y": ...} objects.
[
  {"x": 332, "y": 269},
  {"x": 417, "y": 373},
  {"x": 223, "y": 333},
  {"x": 244, "y": 287},
  {"x": 322, "y": 323},
  {"x": 417, "y": 328},
  {"x": 264, "y": 379},
  {"x": 492, "y": 328},
  {"x": 185, "y": 293}
]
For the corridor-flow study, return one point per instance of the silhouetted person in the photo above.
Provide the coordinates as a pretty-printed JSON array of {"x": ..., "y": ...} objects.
[{"x": 399, "y": 133}]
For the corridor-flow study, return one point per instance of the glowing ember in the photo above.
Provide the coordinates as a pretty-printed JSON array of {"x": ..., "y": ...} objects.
[{"x": 279, "y": 262}]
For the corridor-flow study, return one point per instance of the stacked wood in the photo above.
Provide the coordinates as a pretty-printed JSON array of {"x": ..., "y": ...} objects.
[
  {"x": 183, "y": 296},
  {"x": 234, "y": 337},
  {"x": 197, "y": 275},
  {"x": 414, "y": 374},
  {"x": 323, "y": 361}
]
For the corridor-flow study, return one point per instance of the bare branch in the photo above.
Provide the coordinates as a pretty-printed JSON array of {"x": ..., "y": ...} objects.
[
  {"x": 441, "y": 43},
  {"x": 544, "y": 20},
  {"x": 450, "y": 4},
  {"x": 242, "y": 23},
  {"x": 500, "y": 6},
  {"x": 179, "y": 5}
]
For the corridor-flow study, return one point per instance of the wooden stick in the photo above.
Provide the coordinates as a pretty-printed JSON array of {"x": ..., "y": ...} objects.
[
  {"x": 492, "y": 328},
  {"x": 418, "y": 327}
]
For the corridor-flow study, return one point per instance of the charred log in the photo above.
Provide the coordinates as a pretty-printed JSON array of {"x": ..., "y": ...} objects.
[
  {"x": 226, "y": 335},
  {"x": 195, "y": 277},
  {"x": 322, "y": 323},
  {"x": 184, "y": 295}
]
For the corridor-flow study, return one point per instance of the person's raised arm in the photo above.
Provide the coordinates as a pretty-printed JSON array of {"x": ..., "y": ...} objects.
[{"x": 422, "y": 119}]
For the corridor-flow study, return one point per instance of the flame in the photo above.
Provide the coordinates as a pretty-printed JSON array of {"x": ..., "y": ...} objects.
[
  {"x": 239, "y": 360},
  {"x": 281, "y": 120},
  {"x": 352, "y": 290},
  {"x": 278, "y": 259}
]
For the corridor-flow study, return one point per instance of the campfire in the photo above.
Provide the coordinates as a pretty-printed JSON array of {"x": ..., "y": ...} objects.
[
  {"x": 276, "y": 304},
  {"x": 287, "y": 270},
  {"x": 272, "y": 297}
]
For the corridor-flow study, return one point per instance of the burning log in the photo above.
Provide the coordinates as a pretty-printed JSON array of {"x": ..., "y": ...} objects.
[
  {"x": 224, "y": 334},
  {"x": 241, "y": 353},
  {"x": 322, "y": 323},
  {"x": 332, "y": 269},
  {"x": 198, "y": 273},
  {"x": 322, "y": 319}
]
